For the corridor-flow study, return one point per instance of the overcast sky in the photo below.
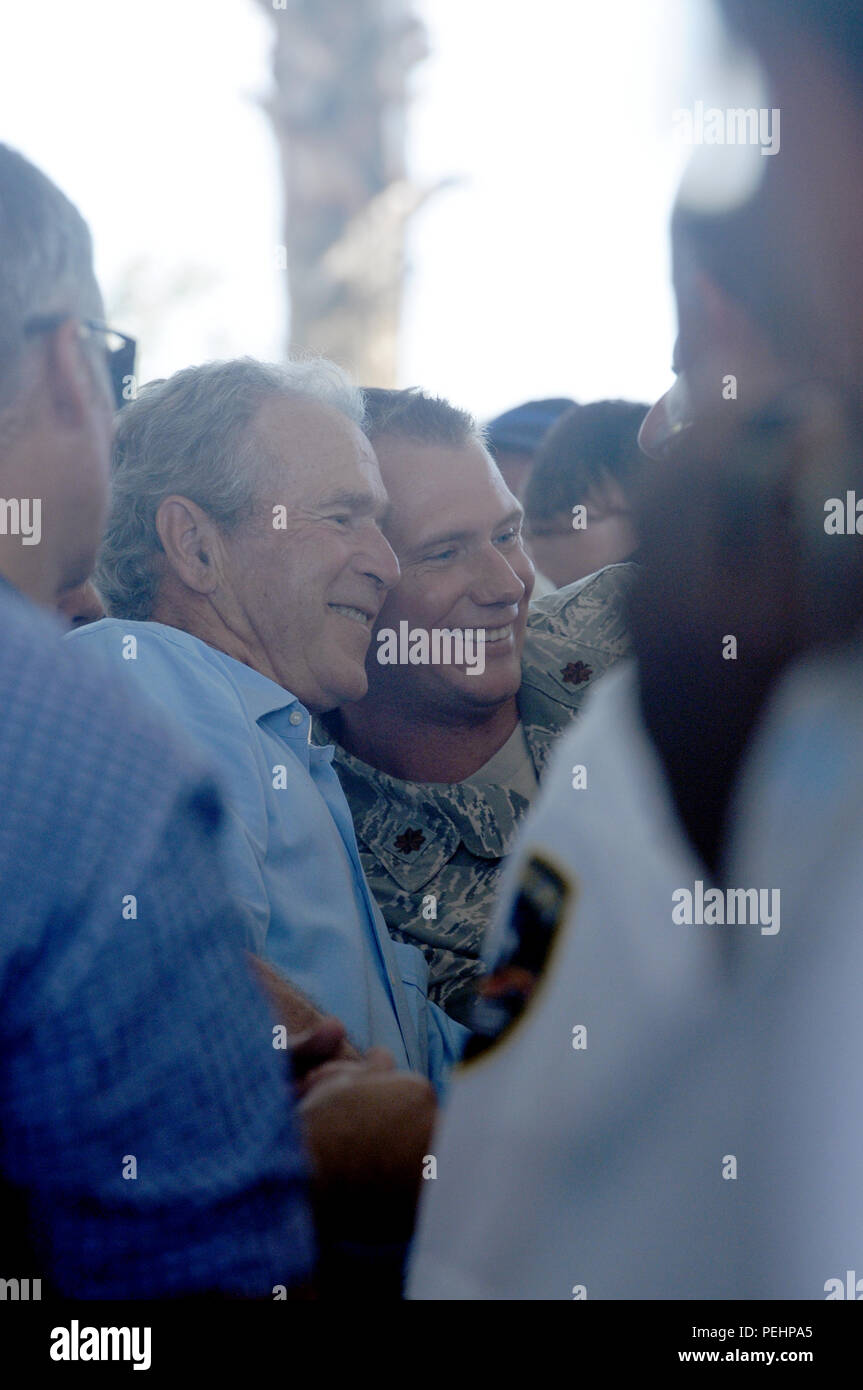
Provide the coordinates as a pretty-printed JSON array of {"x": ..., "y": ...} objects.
[{"x": 543, "y": 271}]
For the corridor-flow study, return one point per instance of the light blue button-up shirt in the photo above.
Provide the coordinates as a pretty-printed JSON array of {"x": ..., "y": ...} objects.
[{"x": 290, "y": 851}]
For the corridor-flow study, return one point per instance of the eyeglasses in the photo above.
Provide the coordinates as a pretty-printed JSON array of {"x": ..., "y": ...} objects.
[{"x": 120, "y": 350}]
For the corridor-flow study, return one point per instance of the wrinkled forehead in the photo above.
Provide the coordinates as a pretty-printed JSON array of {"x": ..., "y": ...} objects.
[
  {"x": 312, "y": 447},
  {"x": 434, "y": 487}
]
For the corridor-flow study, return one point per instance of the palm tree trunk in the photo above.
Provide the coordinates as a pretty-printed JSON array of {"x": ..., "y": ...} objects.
[{"x": 339, "y": 113}]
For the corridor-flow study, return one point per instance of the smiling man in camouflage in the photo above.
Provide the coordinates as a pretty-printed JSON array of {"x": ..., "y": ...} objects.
[{"x": 440, "y": 762}]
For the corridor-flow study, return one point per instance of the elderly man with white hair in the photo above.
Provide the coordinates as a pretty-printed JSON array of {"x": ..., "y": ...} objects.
[{"x": 243, "y": 568}]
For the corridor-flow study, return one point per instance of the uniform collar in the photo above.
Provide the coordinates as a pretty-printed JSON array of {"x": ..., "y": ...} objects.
[{"x": 415, "y": 828}]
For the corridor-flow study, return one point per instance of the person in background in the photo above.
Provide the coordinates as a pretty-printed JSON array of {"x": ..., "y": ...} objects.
[
  {"x": 514, "y": 437},
  {"x": 578, "y": 501},
  {"x": 439, "y": 764},
  {"x": 81, "y": 605}
]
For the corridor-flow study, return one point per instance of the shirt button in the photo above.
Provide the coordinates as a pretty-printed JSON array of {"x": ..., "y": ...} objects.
[{"x": 296, "y": 717}]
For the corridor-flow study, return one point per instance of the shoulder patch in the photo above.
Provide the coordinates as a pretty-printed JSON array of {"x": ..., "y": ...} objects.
[{"x": 539, "y": 908}]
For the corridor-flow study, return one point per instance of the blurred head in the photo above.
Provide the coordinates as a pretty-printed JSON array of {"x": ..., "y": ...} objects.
[
  {"x": 55, "y": 398},
  {"x": 456, "y": 529},
  {"x": 732, "y": 528},
  {"x": 726, "y": 362},
  {"x": 588, "y": 460},
  {"x": 514, "y": 437},
  {"x": 245, "y": 506},
  {"x": 810, "y": 241}
]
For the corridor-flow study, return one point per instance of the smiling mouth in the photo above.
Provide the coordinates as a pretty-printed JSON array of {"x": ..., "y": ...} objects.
[
  {"x": 487, "y": 634},
  {"x": 498, "y": 634},
  {"x": 355, "y": 614}
]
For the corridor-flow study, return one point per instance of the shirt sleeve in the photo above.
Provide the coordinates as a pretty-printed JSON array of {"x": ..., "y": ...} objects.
[
  {"x": 207, "y": 716},
  {"x": 145, "y": 1110}
]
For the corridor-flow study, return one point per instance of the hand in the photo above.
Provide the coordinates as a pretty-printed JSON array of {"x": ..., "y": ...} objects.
[
  {"x": 315, "y": 1037},
  {"x": 314, "y": 1068},
  {"x": 367, "y": 1130}
]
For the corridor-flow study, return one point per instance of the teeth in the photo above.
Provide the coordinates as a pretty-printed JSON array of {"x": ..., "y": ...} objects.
[
  {"x": 356, "y": 613},
  {"x": 488, "y": 634}
]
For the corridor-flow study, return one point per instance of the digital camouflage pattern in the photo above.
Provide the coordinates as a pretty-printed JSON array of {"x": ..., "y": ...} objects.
[{"x": 433, "y": 851}]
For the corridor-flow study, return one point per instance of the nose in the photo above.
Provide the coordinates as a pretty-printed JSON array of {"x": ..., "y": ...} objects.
[
  {"x": 496, "y": 581},
  {"x": 665, "y": 421},
  {"x": 654, "y": 428},
  {"x": 376, "y": 558}
]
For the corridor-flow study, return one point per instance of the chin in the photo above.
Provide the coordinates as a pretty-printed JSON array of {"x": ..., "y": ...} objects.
[
  {"x": 487, "y": 690},
  {"x": 350, "y": 685}
]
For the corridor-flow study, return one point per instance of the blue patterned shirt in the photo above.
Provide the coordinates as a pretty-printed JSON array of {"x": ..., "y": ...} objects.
[{"x": 144, "y": 1111}]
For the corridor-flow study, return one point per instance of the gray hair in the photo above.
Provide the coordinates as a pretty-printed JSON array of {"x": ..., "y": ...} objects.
[
  {"x": 46, "y": 260},
  {"x": 191, "y": 435}
]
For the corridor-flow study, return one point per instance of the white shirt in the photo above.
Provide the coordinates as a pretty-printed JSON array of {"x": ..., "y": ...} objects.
[{"x": 606, "y": 1171}]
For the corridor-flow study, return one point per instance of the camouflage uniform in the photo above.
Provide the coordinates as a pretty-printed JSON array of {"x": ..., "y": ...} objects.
[{"x": 447, "y": 839}]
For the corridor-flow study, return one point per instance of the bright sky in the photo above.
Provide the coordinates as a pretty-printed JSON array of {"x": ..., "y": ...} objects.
[{"x": 543, "y": 272}]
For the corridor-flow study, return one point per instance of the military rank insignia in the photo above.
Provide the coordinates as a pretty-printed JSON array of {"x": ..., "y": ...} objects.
[{"x": 502, "y": 997}]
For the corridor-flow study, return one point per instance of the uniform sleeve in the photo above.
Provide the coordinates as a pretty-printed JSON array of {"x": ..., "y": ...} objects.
[{"x": 591, "y": 611}]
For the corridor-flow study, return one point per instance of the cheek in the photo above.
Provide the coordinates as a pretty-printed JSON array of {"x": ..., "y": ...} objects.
[
  {"x": 300, "y": 564},
  {"x": 423, "y": 601}
]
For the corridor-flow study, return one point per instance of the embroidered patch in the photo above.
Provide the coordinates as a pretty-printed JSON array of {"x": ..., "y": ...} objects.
[
  {"x": 576, "y": 672},
  {"x": 409, "y": 840},
  {"x": 503, "y": 996}
]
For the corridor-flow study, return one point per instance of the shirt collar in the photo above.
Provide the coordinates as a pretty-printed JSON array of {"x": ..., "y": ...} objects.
[{"x": 260, "y": 695}]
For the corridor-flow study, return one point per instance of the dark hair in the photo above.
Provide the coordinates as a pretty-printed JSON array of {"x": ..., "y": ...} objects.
[
  {"x": 588, "y": 447},
  {"x": 413, "y": 414},
  {"x": 838, "y": 24}
]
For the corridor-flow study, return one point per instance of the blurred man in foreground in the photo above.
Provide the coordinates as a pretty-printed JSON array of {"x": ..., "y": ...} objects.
[
  {"x": 689, "y": 1100},
  {"x": 439, "y": 761},
  {"x": 149, "y": 1046}
]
